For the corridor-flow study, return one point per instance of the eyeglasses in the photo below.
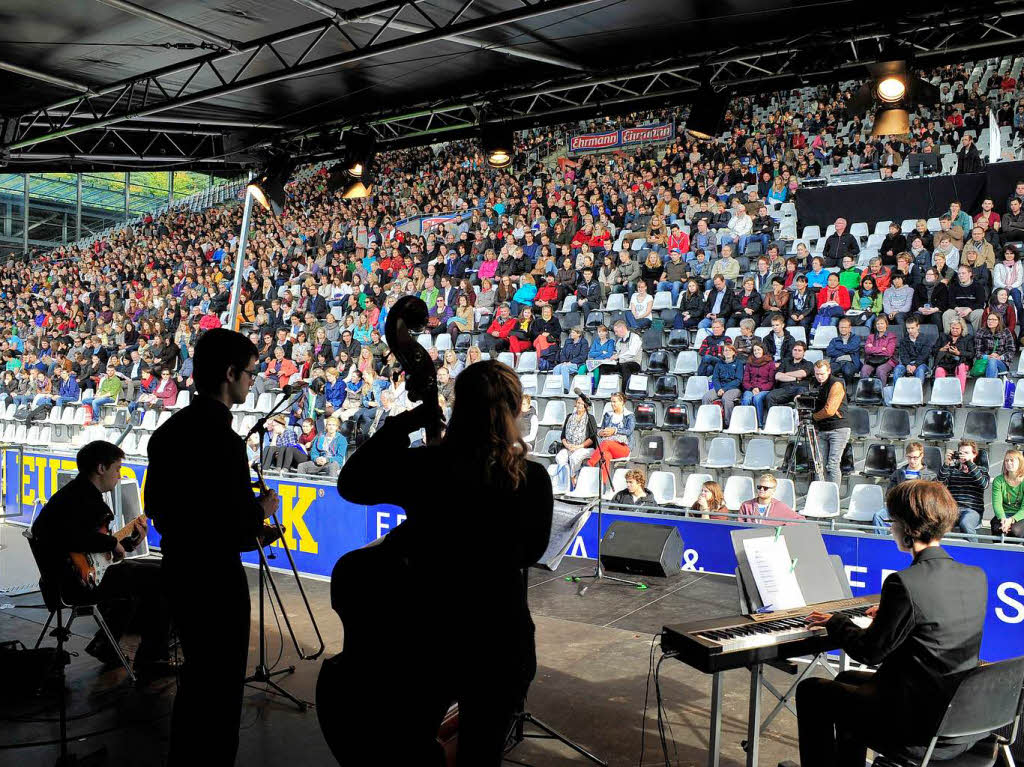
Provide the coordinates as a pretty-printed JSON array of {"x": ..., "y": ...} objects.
[
  {"x": 766, "y": 487},
  {"x": 913, "y": 455},
  {"x": 252, "y": 372}
]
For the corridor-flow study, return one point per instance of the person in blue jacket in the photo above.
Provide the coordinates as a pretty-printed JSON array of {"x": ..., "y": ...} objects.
[
  {"x": 601, "y": 348},
  {"x": 844, "y": 351},
  {"x": 327, "y": 453},
  {"x": 726, "y": 379},
  {"x": 334, "y": 390},
  {"x": 569, "y": 359}
]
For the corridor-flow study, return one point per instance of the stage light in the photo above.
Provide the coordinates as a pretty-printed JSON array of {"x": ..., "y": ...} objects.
[
  {"x": 268, "y": 187},
  {"x": 354, "y": 174},
  {"x": 891, "y": 121},
  {"x": 891, "y": 89},
  {"x": 496, "y": 142},
  {"x": 706, "y": 112}
]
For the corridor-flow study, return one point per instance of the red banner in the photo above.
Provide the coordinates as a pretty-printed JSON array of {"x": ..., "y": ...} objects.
[
  {"x": 593, "y": 142},
  {"x": 588, "y": 142}
]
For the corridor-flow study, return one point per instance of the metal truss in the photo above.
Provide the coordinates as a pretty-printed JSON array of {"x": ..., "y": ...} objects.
[
  {"x": 139, "y": 121},
  {"x": 73, "y": 125}
]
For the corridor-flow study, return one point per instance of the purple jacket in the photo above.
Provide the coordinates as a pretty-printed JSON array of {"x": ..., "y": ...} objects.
[
  {"x": 885, "y": 345},
  {"x": 758, "y": 376}
]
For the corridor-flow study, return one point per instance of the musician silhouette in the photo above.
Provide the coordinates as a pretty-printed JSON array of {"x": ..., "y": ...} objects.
[{"x": 437, "y": 612}]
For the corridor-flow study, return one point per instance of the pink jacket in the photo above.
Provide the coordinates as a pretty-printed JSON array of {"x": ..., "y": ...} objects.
[
  {"x": 885, "y": 345},
  {"x": 776, "y": 511}
]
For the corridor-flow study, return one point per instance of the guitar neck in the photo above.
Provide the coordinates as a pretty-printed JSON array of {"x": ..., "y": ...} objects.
[{"x": 128, "y": 529}]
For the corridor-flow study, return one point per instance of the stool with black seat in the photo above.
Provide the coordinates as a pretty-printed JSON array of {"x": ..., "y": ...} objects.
[
  {"x": 54, "y": 602},
  {"x": 988, "y": 698}
]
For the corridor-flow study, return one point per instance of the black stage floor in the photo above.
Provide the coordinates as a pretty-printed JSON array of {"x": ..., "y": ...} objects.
[{"x": 593, "y": 654}]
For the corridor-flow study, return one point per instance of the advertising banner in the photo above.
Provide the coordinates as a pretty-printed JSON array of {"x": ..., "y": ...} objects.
[
  {"x": 320, "y": 526},
  {"x": 643, "y": 134}
]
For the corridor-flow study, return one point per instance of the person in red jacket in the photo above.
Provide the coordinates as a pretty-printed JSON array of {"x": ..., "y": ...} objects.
[
  {"x": 496, "y": 339},
  {"x": 678, "y": 240},
  {"x": 833, "y": 300}
]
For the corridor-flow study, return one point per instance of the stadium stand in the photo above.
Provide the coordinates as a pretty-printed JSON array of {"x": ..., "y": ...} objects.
[{"x": 630, "y": 243}]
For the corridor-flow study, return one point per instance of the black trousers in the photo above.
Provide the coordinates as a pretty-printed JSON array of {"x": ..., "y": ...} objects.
[
  {"x": 623, "y": 369},
  {"x": 1016, "y": 529},
  {"x": 283, "y": 457},
  {"x": 839, "y": 719},
  {"x": 211, "y": 612},
  {"x": 783, "y": 395},
  {"x": 130, "y": 598}
]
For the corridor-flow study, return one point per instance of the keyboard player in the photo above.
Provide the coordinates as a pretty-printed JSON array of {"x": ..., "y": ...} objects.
[{"x": 925, "y": 636}]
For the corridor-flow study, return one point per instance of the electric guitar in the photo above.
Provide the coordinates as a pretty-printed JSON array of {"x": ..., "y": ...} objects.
[{"x": 90, "y": 567}]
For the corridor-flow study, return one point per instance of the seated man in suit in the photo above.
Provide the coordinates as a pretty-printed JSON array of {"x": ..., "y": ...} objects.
[
  {"x": 925, "y": 636},
  {"x": 75, "y": 519}
]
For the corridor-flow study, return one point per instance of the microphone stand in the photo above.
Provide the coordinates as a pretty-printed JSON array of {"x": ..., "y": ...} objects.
[
  {"x": 262, "y": 673},
  {"x": 599, "y": 575}
]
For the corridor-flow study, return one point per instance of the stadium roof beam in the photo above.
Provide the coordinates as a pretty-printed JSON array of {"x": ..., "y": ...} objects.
[
  {"x": 181, "y": 26},
  {"x": 35, "y": 74},
  {"x": 163, "y": 101}
]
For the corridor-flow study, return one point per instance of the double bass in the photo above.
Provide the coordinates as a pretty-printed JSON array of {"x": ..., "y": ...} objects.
[{"x": 363, "y": 688}]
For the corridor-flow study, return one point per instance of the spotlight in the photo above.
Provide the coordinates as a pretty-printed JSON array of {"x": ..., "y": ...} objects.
[
  {"x": 496, "y": 141},
  {"x": 268, "y": 188},
  {"x": 891, "y": 89},
  {"x": 706, "y": 112},
  {"x": 354, "y": 174},
  {"x": 891, "y": 121}
]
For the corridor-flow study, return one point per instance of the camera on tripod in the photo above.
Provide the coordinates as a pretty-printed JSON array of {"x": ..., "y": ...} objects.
[{"x": 804, "y": 405}]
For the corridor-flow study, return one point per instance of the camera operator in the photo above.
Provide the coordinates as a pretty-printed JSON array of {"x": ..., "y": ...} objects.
[{"x": 830, "y": 419}]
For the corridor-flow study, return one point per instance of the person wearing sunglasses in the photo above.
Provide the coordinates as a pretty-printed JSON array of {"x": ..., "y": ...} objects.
[{"x": 765, "y": 508}]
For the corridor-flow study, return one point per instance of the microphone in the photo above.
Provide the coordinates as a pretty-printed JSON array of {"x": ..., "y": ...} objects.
[{"x": 294, "y": 388}]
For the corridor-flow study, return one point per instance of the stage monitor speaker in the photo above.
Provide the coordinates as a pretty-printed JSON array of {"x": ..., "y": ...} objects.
[{"x": 642, "y": 549}]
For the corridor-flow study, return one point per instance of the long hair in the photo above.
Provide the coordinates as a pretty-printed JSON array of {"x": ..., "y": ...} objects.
[{"x": 484, "y": 422}]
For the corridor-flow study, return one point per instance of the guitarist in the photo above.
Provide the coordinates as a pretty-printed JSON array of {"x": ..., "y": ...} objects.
[
  {"x": 459, "y": 628},
  {"x": 199, "y": 480},
  {"x": 76, "y": 519}
]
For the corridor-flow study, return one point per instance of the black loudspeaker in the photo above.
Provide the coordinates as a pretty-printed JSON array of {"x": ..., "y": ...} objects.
[{"x": 642, "y": 549}]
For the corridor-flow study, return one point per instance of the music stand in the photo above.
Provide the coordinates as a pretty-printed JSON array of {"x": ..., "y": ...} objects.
[
  {"x": 565, "y": 527},
  {"x": 262, "y": 673}
]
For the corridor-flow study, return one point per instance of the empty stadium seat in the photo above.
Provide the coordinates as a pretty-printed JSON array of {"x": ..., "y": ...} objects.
[
  {"x": 662, "y": 485},
  {"x": 666, "y": 387},
  {"x": 1015, "y": 428},
  {"x": 608, "y": 385},
  {"x": 687, "y": 363},
  {"x": 636, "y": 388},
  {"x": 677, "y": 417},
  {"x": 684, "y": 451},
  {"x": 651, "y": 449},
  {"x": 646, "y": 415},
  {"x": 822, "y": 500},
  {"x": 868, "y": 392},
  {"x": 527, "y": 362},
  {"x": 823, "y": 335},
  {"x": 980, "y": 425},
  {"x": 559, "y": 480},
  {"x": 933, "y": 457},
  {"x": 696, "y": 388},
  {"x": 552, "y": 437},
  {"x": 443, "y": 342},
  {"x": 618, "y": 483},
  {"x": 658, "y": 363},
  {"x": 737, "y": 490},
  {"x": 880, "y": 460},
  {"x": 759, "y": 455},
  {"x": 909, "y": 391},
  {"x": 893, "y": 424},
  {"x": 616, "y": 302},
  {"x": 988, "y": 392},
  {"x": 587, "y": 483},
  {"x": 865, "y": 501},
  {"x": 781, "y": 420},
  {"x": 678, "y": 339},
  {"x": 553, "y": 387},
  {"x": 554, "y": 413},
  {"x": 785, "y": 491},
  {"x": 722, "y": 454},
  {"x": 946, "y": 391},
  {"x": 743, "y": 420},
  {"x": 507, "y": 358},
  {"x": 937, "y": 423},
  {"x": 708, "y": 419}
]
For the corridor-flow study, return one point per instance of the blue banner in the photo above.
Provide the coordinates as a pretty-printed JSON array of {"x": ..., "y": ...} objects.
[{"x": 320, "y": 526}]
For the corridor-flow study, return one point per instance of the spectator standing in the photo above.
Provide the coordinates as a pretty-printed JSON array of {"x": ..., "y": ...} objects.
[{"x": 830, "y": 419}]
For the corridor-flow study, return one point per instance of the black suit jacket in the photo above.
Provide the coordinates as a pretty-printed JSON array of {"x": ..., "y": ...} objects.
[
  {"x": 926, "y": 636},
  {"x": 729, "y": 304}
]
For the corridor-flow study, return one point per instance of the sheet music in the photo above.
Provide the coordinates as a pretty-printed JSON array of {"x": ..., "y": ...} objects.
[{"x": 774, "y": 572}]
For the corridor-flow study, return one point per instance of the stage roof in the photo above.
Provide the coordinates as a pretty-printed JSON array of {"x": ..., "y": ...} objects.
[{"x": 210, "y": 84}]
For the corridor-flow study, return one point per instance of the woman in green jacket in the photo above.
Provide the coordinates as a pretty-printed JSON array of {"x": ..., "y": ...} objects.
[{"x": 1008, "y": 497}]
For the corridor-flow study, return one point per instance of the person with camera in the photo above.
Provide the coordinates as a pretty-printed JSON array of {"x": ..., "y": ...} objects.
[
  {"x": 830, "y": 419},
  {"x": 966, "y": 481},
  {"x": 792, "y": 377}
]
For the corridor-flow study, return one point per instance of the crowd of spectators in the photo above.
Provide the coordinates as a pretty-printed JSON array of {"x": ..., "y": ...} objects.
[{"x": 679, "y": 237}]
